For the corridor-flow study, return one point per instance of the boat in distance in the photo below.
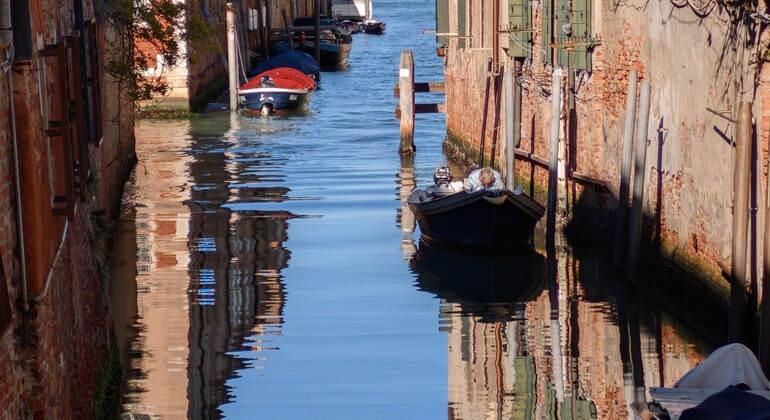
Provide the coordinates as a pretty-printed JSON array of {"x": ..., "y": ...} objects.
[
  {"x": 275, "y": 91},
  {"x": 334, "y": 45},
  {"x": 489, "y": 218},
  {"x": 297, "y": 60}
]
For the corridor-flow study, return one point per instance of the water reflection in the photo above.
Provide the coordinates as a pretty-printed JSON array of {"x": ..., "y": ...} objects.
[
  {"x": 527, "y": 339},
  {"x": 229, "y": 263},
  {"x": 492, "y": 287}
]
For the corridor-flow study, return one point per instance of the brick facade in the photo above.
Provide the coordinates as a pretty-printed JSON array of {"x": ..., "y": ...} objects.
[
  {"x": 53, "y": 353},
  {"x": 688, "y": 175}
]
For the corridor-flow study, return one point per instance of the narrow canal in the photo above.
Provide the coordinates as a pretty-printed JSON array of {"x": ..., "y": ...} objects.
[{"x": 267, "y": 268}]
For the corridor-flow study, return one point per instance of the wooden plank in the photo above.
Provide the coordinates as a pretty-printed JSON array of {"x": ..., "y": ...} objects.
[
  {"x": 430, "y": 87},
  {"x": 424, "y": 109}
]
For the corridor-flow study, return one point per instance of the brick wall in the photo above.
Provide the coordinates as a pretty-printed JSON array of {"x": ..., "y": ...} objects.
[
  {"x": 51, "y": 357},
  {"x": 688, "y": 173}
]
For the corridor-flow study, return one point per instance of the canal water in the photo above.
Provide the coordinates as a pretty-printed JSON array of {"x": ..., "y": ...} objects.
[{"x": 268, "y": 268}]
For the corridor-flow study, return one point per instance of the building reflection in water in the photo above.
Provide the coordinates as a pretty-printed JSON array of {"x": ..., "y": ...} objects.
[
  {"x": 526, "y": 338},
  {"x": 209, "y": 270}
]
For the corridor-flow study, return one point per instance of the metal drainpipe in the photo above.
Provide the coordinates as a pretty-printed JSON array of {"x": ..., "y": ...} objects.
[
  {"x": 17, "y": 185},
  {"x": 6, "y": 41}
]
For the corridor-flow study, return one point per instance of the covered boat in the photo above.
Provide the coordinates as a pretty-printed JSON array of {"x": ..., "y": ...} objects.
[
  {"x": 276, "y": 90},
  {"x": 447, "y": 214},
  {"x": 729, "y": 384},
  {"x": 294, "y": 59}
]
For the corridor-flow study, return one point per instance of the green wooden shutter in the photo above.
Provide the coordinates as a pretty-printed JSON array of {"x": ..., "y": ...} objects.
[
  {"x": 520, "y": 43},
  {"x": 581, "y": 31},
  {"x": 442, "y": 20},
  {"x": 562, "y": 19},
  {"x": 461, "y": 22},
  {"x": 547, "y": 30}
]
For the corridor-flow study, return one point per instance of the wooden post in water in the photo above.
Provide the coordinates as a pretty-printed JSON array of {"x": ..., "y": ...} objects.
[
  {"x": 764, "y": 323},
  {"x": 640, "y": 161},
  {"x": 510, "y": 156},
  {"x": 483, "y": 139},
  {"x": 625, "y": 168},
  {"x": 553, "y": 162},
  {"x": 288, "y": 31},
  {"x": 740, "y": 224},
  {"x": 317, "y": 30},
  {"x": 231, "y": 60},
  {"x": 406, "y": 102}
]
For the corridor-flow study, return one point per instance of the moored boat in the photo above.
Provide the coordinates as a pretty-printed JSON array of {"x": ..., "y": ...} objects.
[
  {"x": 334, "y": 46},
  {"x": 375, "y": 27},
  {"x": 276, "y": 90},
  {"x": 447, "y": 214},
  {"x": 729, "y": 384},
  {"x": 297, "y": 60}
]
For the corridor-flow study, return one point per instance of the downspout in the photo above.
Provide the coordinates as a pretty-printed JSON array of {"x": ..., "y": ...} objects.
[{"x": 6, "y": 44}]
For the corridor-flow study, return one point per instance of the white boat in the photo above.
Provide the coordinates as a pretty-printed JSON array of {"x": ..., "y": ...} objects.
[{"x": 729, "y": 384}]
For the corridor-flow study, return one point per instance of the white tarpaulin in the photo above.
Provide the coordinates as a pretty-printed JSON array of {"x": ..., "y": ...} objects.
[{"x": 732, "y": 364}]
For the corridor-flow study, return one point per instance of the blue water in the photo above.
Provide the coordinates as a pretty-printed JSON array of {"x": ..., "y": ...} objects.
[{"x": 277, "y": 274}]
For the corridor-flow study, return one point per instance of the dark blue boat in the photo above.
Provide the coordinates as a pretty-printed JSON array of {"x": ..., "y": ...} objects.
[
  {"x": 294, "y": 59},
  {"x": 334, "y": 46},
  {"x": 483, "y": 218}
]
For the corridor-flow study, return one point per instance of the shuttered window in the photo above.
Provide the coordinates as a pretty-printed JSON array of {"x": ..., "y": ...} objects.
[
  {"x": 561, "y": 33},
  {"x": 442, "y": 21},
  {"x": 572, "y": 26},
  {"x": 547, "y": 31},
  {"x": 93, "y": 82},
  {"x": 520, "y": 42},
  {"x": 581, "y": 31}
]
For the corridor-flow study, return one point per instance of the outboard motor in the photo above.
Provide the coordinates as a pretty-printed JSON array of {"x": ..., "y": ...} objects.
[{"x": 442, "y": 176}]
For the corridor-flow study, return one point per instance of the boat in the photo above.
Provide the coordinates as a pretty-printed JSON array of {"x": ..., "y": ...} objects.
[
  {"x": 372, "y": 26},
  {"x": 334, "y": 44},
  {"x": 297, "y": 60},
  {"x": 445, "y": 213},
  {"x": 483, "y": 284},
  {"x": 729, "y": 384},
  {"x": 275, "y": 91}
]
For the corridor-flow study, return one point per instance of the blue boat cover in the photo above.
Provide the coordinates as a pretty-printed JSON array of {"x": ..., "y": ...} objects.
[
  {"x": 297, "y": 60},
  {"x": 730, "y": 403}
]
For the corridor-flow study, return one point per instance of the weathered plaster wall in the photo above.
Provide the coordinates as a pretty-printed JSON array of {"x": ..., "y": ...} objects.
[{"x": 691, "y": 63}]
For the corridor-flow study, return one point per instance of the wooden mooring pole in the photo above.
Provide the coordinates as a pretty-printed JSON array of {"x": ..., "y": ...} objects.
[
  {"x": 764, "y": 323},
  {"x": 553, "y": 162},
  {"x": 231, "y": 60},
  {"x": 741, "y": 198},
  {"x": 483, "y": 139},
  {"x": 406, "y": 102},
  {"x": 406, "y": 108},
  {"x": 625, "y": 169},
  {"x": 510, "y": 156},
  {"x": 640, "y": 161}
]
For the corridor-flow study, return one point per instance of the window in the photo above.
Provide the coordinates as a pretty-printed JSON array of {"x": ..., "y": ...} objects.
[
  {"x": 569, "y": 31},
  {"x": 519, "y": 38},
  {"x": 93, "y": 82},
  {"x": 66, "y": 128},
  {"x": 442, "y": 21}
]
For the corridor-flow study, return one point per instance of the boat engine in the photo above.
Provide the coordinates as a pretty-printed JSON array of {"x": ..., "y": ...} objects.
[{"x": 442, "y": 176}]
